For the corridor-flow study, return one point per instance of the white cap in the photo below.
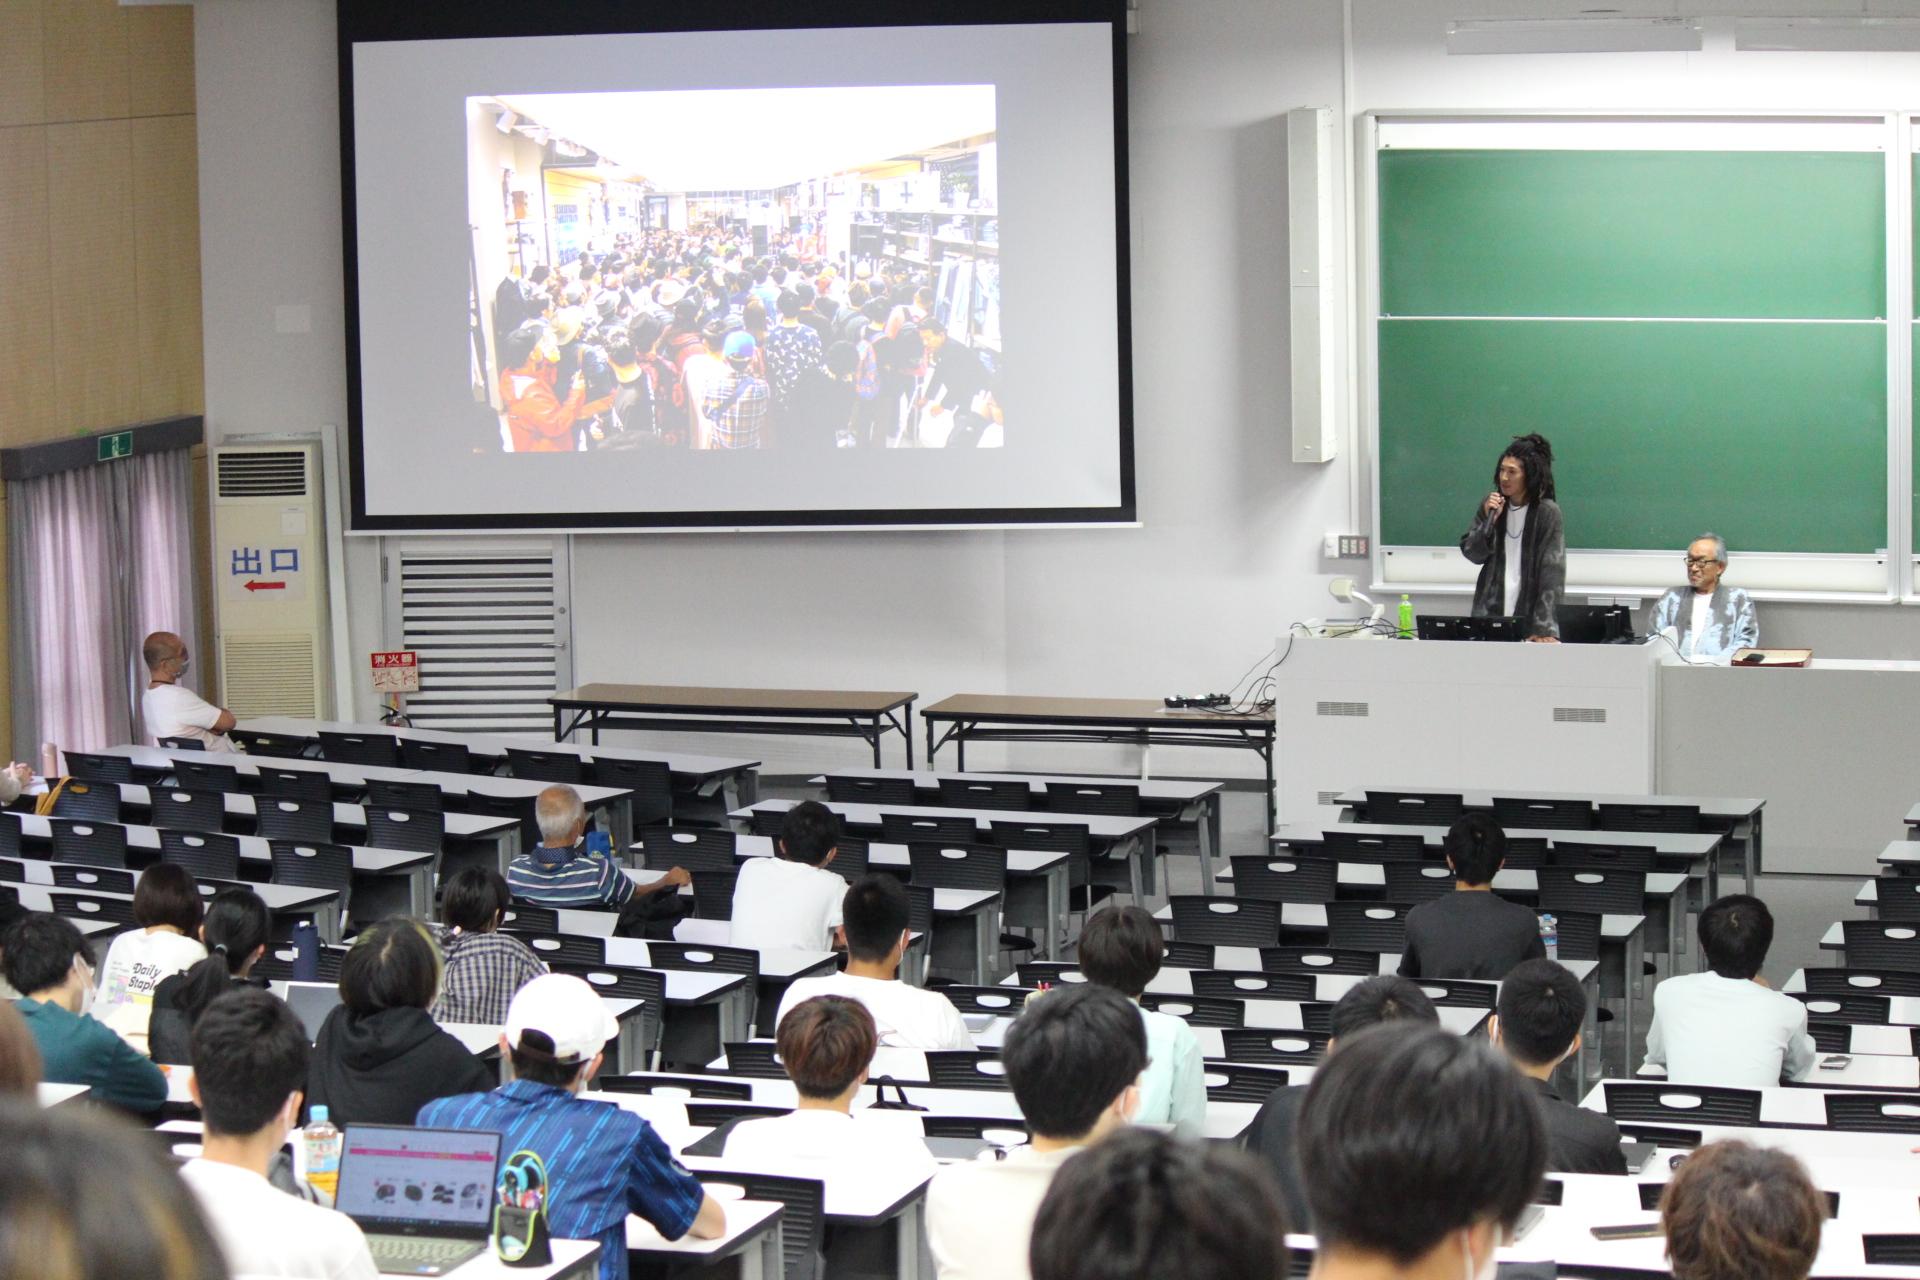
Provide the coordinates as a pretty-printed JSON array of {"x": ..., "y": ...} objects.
[{"x": 564, "y": 1009}]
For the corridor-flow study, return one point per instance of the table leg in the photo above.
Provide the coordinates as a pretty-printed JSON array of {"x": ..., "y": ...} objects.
[
  {"x": 1753, "y": 849},
  {"x": 1057, "y": 891},
  {"x": 906, "y": 732},
  {"x": 1634, "y": 952},
  {"x": 1136, "y": 877},
  {"x": 909, "y": 1236},
  {"x": 1270, "y": 797},
  {"x": 986, "y": 940},
  {"x": 1208, "y": 831}
]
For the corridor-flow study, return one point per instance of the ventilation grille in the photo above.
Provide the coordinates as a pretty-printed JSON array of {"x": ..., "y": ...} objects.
[
  {"x": 1579, "y": 715},
  {"x": 270, "y": 675},
  {"x": 1342, "y": 709},
  {"x": 485, "y": 629},
  {"x": 281, "y": 473},
  {"x": 1331, "y": 798}
]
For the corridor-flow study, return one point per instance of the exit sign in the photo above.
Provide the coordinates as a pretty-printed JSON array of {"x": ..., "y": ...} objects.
[{"x": 117, "y": 445}]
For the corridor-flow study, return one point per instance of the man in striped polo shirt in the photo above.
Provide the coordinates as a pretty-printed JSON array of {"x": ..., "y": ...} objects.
[{"x": 567, "y": 870}]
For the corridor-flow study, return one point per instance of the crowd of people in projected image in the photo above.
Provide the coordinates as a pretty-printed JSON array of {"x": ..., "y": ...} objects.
[{"x": 691, "y": 340}]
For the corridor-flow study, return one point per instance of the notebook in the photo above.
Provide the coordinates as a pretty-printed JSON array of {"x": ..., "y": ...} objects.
[{"x": 424, "y": 1197}]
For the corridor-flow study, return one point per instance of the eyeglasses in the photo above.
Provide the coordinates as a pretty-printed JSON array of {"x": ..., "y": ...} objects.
[{"x": 1701, "y": 562}]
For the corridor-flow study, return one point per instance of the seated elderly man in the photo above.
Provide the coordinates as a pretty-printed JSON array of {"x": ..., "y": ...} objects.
[
  {"x": 568, "y": 868},
  {"x": 1712, "y": 619},
  {"x": 172, "y": 710}
]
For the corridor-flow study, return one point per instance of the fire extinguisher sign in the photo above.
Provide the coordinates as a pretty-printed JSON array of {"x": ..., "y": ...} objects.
[{"x": 397, "y": 672}]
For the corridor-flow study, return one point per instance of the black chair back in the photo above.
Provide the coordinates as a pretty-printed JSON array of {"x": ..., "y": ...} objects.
[
  {"x": 1112, "y": 799},
  {"x": 1242, "y": 984},
  {"x": 1187, "y": 955},
  {"x": 1683, "y": 818},
  {"x": 694, "y": 848},
  {"x": 850, "y": 860},
  {"x": 1831, "y": 1037},
  {"x": 700, "y": 957},
  {"x": 1603, "y": 857},
  {"x": 569, "y": 949},
  {"x": 185, "y": 810},
  {"x": 920, "y": 909},
  {"x": 81, "y": 906},
  {"x": 755, "y": 1059},
  {"x": 1873, "y": 1112},
  {"x": 713, "y": 893},
  {"x": 1897, "y": 897},
  {"x": 534, "y": 919},
  {"x": 9, "y": 834},
  {"x": 985, "y": 793},
  {"x": 1577, "y": 935},
  {"x": 1070, "y": 838},
  {"x": 415, "y": 832},
  {"x": 90, "y": 801},
  {"x": 959, "y": 866},
  {"x": 182, "y": 744},
  {"x": 1889, "y": 1250},
  {"x": 1881, "y": 944},
  {"x": 88, "y": 844},
  {"x": 205, "y": 775},
  {"x": 514, "y": 808},
  {"x": 1367, "y": 926},
  {"x": 976, "y": 1127},
  {"x": 650, "y": 781},
  {"x": 436, "y": 757},
  {"x": 203, "y": 853},
  {"x": 699, "y": 1086},
  {"x": 1592, "y": 890},
  {"x": 802, "y": 1220},
  {"x": 845, "y": 790},
  {"x": 1459, "y": 993},
  {"x": 1276, "y": 878},
  {"x": 1851, "y": 1008},
  {"x": 295, "y": 784},
  {"x": 414, "y": 797},
  {"x": 13, "y": 870},
  {"x": 965, "y": 1069},
  {"x": 280, "y": 745},
  {"x": 1236, "y": 1082},
  {"x": 1001, "y": 1002},
  {"x": 649, "y": 986},
  {"x": 1360, "y": 846},
  {"x": 311, "y": 864},
  {"x": 379, "y": 750},
  {"x": 1229, "y": 922},
  {"x": 1275, "y": 1048},
  {"x": 1555, "y": 815},
  {"x": 1527, "y": 853},
  {"x": 1875, "y": 982},
  {"x": 1415, "y": 808},
  {"x": 92, "y": 879},
  {"x": 711, "y": 1115},
  {"x": 1198, "y": 1011},
  {"x": 1692, "y": 1103},
  {"x": 906, "y": 828},
  {"x": 547, "y": 766},
  {"x": 1035, "y": 973},
  {"x": 1416, "y": 882},
  {"x": 277, "y": 964},
  {"x": 88, "y": 767},
  {"x": 308, "y": 821},
  {"x": 1349, "y": 964}
]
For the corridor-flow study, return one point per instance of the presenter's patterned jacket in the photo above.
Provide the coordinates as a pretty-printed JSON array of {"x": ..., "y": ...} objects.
[
  {"x": 1543, "y": 563},
  {"x": 1732, "y": 622}
]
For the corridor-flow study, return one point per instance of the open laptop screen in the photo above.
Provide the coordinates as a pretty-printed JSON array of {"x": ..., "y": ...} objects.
[{"x": 395, "y": 1178}]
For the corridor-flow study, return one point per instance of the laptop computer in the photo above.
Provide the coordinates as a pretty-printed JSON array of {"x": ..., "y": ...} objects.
[
  {"x": 1594, "y": 623},
  {"x": 424, "y": 1197},
  {"x": 311, "y": 1002},
  {"x": 1460, "y": 627}
]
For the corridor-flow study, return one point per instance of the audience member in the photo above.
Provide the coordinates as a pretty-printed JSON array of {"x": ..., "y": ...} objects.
[
  {"x": 1146, "y": 1206},
  {"x": 792, "y": 899},
  {"x": 249, "y": 1064},
  {"x": 1121, "y": 947},
  {"x": 564, "y": 871},
  {"x": 14, "y": 779},
  {"x": 166, "y": 903},
  {"x": 602, "y": 1163},
  {"x": 379, "y": 1058},
  {"x": 1725, "y": 1026},
  {"x": 1734, "y": 1211},
  {"x": 1385, "y": 999},
  {"x": 1541, "y": 1012},
  {"x": 47, "y": 960},
  {"x": 483, "y": 967},
  {"x": 1471, "y": 933},
  {"x": 874, "y": 917},
  {"x": 825, "y": 1044},
  {"x": 169, "y": 708},
  {"x": 1073, "y": 1060},
  {"x": 19, "y": 1056},
  {"x": 1420, "y": 1150},
  {"x": 87, "y": 1197},
  {"x": 236, "y": 931}
]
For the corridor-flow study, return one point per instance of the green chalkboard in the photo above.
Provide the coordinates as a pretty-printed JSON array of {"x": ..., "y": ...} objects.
[
  {"x": 1773, "y": 435},
  {"x": 1799, "y": 235},
  {"x": 1620, "y": 290}
]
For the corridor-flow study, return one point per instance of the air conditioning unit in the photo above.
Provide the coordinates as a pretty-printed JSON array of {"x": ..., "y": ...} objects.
[{"x": 270, "y": 576}]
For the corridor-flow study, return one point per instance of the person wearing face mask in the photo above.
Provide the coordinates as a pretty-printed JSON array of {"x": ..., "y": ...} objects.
[
  {"x": 1074, "y": 1060},
  {"x": 538, "y": 420},
  {"x": 46, "y": 958},
  {"x": 1420, "y": 1149},
  {"x": 249, "y": 1063},
  {"x": 169, "y": 708}
]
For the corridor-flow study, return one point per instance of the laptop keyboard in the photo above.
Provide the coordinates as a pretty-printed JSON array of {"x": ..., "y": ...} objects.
[{"x": 420, "y": 1255}]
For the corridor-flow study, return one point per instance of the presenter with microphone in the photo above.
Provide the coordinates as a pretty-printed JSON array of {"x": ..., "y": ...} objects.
[{"x": 1517, "y": 541}]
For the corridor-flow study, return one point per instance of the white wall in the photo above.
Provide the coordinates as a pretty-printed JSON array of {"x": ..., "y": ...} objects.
[{"x": 1229, "y": 548}]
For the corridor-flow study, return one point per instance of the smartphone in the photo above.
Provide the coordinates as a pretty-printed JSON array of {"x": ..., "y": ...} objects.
[
  {"x": 1835, "y": 1062},
  {"x": 1628, "y": 1231}
]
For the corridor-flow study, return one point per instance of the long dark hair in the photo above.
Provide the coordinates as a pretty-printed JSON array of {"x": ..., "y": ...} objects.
[
  {"x": 1535, "y": 457},
  {"x": 237, "y": 924}
]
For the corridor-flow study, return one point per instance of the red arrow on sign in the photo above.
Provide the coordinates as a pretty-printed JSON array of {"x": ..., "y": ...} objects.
[{"x": 265, "y": 586}]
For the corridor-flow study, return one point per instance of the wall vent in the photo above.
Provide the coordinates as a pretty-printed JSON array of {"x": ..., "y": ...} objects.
[
  {"x": 263, "y": 473},
  {"x": 1360, "y": 709},
  {"x": 270, "y": 675},
  {"x": 1579, "y": 715}
]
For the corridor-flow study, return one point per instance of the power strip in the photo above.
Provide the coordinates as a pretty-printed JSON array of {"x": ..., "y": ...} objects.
[{"x": 1181, "y": 702}]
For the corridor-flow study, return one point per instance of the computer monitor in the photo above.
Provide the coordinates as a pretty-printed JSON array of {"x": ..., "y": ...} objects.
[
  {"x": 1459, "y": 627},
  {"x": 1594, "y": 623}
]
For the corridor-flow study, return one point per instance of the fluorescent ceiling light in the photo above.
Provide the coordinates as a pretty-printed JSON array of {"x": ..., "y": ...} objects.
[
  {"x": 1829, "y": 35},
  {"x": 1574, "y": 35}
]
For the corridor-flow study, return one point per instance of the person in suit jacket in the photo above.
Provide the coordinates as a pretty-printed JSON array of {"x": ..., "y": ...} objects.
[{"x": 1541, "y": 1010}]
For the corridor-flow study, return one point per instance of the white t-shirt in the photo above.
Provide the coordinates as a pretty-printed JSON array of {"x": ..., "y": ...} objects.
[
  {"x": 980, "y": 1215},
  {"x": 265, "y": 1232},
  {"x": 1702, "y": 611},
  {"x": 906, "y": 1017},
  {"x": 777, "y": 903},
  {"x": 864, "y": 1140},
  {"x": 175, "y": 712},
  {"x": 1516, "y": 535},
  {"x": 136, "y": 963},
  {"x": 1727, "y": 1031}
]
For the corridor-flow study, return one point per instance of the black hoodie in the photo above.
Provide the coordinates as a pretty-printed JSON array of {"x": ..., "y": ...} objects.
[{"x": 381, "y": 1068}]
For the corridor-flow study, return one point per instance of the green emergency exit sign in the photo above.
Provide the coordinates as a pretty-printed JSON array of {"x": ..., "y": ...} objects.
[{"x": 118, "y": 445}]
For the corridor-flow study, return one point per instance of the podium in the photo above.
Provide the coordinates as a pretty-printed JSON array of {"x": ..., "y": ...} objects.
[{"x": 1410, "y": 714}]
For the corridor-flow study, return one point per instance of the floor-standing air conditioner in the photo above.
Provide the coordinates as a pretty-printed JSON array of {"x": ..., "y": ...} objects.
[{"x": 270, "y": 579}]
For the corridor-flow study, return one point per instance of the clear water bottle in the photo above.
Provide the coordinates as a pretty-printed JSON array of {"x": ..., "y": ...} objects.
[
  {"x": 1406, "y": 617},
  {"x": 1550, "y": 934},
  {"x": 322, "y": 1143}
]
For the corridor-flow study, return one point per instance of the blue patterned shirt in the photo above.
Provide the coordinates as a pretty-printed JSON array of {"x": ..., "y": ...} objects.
[
  {"x": 603, "y": 1163},
  {"x": 578, "y": 876}
]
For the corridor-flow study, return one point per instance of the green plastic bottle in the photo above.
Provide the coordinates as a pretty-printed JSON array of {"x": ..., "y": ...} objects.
[{"x": 1406, "y": 617}]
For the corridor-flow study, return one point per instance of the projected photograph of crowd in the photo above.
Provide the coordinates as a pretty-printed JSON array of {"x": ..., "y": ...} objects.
[{"x": 778, "y": 269}]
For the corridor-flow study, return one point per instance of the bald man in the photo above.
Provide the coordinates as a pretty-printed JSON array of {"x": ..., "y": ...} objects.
[
  {"x": 172, "y": 710},
  {"x": 567, "y": 869}
]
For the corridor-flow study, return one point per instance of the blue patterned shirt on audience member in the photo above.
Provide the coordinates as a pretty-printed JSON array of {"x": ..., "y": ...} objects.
[
  {"x": 568, "y": 877},
  {"x": 603, "y": 1163}
]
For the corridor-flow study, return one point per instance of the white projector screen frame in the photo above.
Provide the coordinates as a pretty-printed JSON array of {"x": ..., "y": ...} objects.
[{"x": 419, "y": 457}]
